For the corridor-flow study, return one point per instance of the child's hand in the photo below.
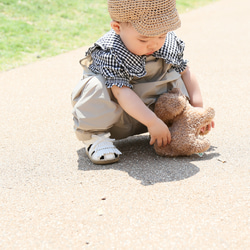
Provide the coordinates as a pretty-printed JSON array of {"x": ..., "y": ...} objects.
[
  {"x": 207, "y": 128},
  {"x": 159, "y": 133}
]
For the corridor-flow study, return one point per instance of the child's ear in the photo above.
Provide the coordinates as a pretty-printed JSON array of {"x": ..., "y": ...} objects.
[{"x": 116, "y": 27}]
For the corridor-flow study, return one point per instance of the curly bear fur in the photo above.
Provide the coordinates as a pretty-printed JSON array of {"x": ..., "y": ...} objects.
[{"x": 184, "y": 122}]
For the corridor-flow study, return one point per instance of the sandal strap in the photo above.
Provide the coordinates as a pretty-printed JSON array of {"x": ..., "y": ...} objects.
[{"x": 103, "y": 145}]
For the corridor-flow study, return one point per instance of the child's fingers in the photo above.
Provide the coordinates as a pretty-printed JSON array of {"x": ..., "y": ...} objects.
[
  {"x": 152, "y": 140},
  {"x": 207, "y": 128},
  {"x": 160, "y": 142},
  {"x": 167, "y": 139},
  {"x": 202, "y": 130},
  {"x": 163, "y": 141},
  {"x": 213, "y": 124},
  {"x": 210, "y": 126}
]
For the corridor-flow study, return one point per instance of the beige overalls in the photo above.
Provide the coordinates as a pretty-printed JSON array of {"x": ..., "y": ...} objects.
[{"x": 95, "y": 109}]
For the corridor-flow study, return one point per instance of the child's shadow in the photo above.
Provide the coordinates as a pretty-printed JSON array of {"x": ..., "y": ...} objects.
[{"x": 139, "y": 160}]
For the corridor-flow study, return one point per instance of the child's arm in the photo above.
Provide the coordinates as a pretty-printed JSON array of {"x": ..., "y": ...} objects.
[
  {"x": 194, "y": 92},
  {"x": 134, "y": 106},
  {"x": 192, "y": 87}
]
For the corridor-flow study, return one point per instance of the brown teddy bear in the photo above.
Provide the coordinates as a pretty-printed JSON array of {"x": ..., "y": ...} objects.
[{"x": 184, "y": 122}]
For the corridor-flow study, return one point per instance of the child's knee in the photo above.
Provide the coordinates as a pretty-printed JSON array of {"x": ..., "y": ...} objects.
[{"x": 93, "y": 109}]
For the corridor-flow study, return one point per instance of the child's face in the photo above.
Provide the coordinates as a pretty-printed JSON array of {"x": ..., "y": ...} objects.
[{"x": 135, "y": 42}]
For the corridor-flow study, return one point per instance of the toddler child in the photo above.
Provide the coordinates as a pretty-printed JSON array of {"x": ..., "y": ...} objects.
[{"x": 125, "y": 72}]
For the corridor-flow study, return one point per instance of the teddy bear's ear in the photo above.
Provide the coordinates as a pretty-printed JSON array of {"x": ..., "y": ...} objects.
[{"x": 169, "y": 105}]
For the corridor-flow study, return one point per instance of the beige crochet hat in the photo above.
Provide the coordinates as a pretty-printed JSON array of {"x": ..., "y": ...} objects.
[{"x": 148, "y": 17}]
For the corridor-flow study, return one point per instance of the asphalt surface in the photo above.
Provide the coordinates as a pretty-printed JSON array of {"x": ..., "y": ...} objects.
[{"x": 53, "y": 197}]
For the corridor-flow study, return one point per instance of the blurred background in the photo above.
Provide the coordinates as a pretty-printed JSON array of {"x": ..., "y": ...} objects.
[{"x": 34, "y": 29}]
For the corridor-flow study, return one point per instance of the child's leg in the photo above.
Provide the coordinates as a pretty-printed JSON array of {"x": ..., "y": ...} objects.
[
  {"x": 93, "y": 110},
  {"x": 94, "y": 113}
]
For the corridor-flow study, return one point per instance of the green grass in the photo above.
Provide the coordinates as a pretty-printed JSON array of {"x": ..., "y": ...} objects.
[
  {"x": 187, "y": 5},
  {"x": 34, "y": 29}
]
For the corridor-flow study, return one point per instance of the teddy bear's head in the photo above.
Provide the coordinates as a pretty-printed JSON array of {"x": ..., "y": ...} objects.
[
  {"x": 185, "y": 123},
  {"x": 169, "y": 105}
]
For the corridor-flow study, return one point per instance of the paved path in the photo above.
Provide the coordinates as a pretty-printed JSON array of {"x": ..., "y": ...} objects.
[{"x": 52, "y": 197}]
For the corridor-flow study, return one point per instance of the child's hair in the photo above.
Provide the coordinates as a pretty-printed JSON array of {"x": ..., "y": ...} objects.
[{"x": 148, "y": 17}]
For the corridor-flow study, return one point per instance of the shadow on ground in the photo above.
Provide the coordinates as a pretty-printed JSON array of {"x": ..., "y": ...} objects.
[{"x": 139, "y": 160}]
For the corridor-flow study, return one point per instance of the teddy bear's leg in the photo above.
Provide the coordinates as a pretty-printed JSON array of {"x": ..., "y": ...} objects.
[
  {"x": 187, "y": 147},
  {"x": 201, "y": 145},
  {"x": 164, "y": 150},
  {"x": 190, "y": 145}
]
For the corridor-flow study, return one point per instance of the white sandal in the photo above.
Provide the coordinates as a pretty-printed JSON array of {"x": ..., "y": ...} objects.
[{"x": 101, "y": 149}]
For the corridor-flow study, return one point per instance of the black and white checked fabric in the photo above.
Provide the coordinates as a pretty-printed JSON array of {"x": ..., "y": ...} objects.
[{"x": 118, "y": 65}]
